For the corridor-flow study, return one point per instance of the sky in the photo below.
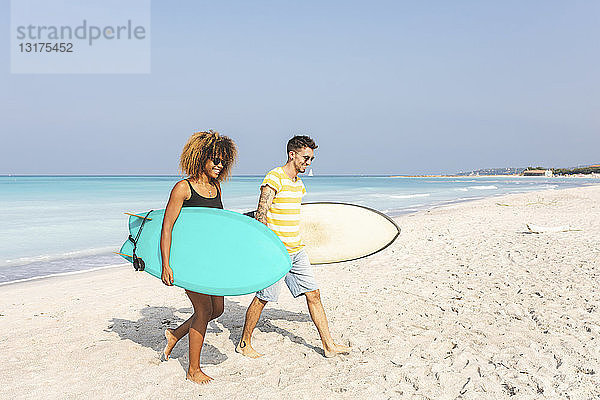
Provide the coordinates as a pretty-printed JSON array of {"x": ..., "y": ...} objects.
[{"x": 384, "y": 87}]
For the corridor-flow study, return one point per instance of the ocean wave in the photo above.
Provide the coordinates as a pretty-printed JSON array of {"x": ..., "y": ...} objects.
[
  {"x": 241, "y": 210},
  {"x": 57, "y": 256},
  {"x": 461, "y": 189},
  {"x": 63, "y": 274},
  {"x": 407, "y": 196},
  {"x": 540, "y": 187},
  {"x": 488, "y": 187}
]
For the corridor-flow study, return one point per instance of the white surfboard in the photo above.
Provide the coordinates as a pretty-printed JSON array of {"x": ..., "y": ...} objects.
[{"x": 335, "y": 232}]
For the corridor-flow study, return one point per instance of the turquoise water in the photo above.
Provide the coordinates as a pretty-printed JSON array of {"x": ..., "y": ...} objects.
[{"x": 62, "y": 224}]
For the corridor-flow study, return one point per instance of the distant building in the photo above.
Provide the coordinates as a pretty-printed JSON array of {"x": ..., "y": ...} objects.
[
  {"x": 549, "y": 173},
  {"x": 535, "y": 172}
]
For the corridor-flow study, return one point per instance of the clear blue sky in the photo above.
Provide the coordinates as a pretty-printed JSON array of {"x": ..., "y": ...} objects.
[{"x": 383, "y": 86}]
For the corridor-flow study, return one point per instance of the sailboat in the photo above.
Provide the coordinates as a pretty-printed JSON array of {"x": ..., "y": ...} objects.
[{"x": 310, "y": 172}]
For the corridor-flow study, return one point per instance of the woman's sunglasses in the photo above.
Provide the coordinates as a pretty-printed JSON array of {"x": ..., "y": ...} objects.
[{"x": 218, "y": 161}]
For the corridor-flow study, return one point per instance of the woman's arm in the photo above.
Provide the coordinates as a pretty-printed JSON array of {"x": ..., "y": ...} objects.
[{"x": 179, "y": 193}]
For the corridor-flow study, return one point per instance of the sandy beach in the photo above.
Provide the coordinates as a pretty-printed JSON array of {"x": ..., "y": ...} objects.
[{"x": 465, "y": 304}]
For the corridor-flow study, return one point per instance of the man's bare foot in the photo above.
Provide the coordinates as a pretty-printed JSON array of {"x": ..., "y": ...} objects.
[
  {"x": 198, "y": 376},
  {"x": 336, "y": 349},
  {"x": 247, "y": 350},
  {"x": 171, "y": 342}
]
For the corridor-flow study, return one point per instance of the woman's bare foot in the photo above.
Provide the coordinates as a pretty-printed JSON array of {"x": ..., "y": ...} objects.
[
  {"x": 171, "y": 342},
  {"x": 247, "y": 350},
  {"x": 336, "y": 349},
  {"x": 198, "y": 376}
]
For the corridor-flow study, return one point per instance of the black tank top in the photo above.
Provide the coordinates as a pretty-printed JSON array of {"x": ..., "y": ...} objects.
[{"x": 196, "y": 200}]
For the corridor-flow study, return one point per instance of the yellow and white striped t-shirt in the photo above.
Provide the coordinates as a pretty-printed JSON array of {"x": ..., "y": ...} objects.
[{"x": 284, "y": 215}]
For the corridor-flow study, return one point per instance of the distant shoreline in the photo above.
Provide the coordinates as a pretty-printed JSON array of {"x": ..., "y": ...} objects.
[
  {"x": 592, "y": 176},
  {"x": 303, "y": 176}
]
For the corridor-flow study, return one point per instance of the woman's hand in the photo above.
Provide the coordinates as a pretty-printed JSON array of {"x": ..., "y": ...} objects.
[{"x": 167, "y": 275}]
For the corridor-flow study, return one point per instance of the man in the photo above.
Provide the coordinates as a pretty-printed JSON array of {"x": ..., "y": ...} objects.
[{"x": 279, "y": 209}]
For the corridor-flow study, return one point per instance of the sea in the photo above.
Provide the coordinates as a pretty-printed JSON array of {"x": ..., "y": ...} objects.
[{"x": 57, "y": 225}]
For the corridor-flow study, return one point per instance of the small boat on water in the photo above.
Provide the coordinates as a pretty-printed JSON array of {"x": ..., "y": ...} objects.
[{"x": 310, "y": 172}]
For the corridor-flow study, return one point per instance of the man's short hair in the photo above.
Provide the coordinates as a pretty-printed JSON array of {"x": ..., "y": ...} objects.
[{"x": 299, "y": 142}]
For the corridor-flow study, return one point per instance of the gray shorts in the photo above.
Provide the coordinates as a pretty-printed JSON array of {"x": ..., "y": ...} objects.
[{"x": 299, "y": 280}]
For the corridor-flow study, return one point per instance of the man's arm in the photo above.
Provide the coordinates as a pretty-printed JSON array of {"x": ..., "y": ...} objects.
[{"x": 267, "y": 194}]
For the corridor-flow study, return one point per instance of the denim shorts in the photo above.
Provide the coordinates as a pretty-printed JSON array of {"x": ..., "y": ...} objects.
[{"x": 299, "y": 280}]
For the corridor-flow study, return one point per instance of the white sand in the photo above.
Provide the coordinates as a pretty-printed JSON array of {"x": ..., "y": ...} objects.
[{"x": 464, "y": 304}]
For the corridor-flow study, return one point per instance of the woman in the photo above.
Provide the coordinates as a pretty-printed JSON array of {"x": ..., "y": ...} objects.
[{"x": 206, "y": 159}]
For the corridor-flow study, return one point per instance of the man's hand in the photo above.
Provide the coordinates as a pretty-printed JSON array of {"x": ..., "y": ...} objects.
[{"x": 267, "y": 194}]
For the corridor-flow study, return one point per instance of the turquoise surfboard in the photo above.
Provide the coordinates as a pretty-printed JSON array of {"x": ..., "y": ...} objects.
[{"x": 213, "y": 251}]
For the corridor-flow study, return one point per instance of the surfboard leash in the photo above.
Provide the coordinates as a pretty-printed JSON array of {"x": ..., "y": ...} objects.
[{"x": 138, "y": 263}]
